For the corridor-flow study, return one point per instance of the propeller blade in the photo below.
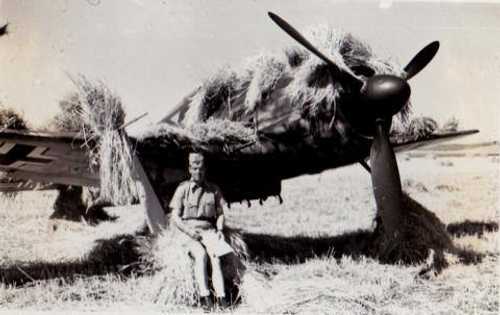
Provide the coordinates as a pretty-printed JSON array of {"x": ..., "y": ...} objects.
[
  {"x": 3, "y": 29},
  {"x": 290, "y": 30},
  {"x": 385, "y": 180},
  {"x": 421, "y": 60}
]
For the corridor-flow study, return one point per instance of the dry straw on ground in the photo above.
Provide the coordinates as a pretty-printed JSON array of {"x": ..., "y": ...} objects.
[{"x": 317, "y": 283}]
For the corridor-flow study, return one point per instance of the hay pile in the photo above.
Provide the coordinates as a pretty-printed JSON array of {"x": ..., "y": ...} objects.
[
  {"x": 305, "y": 80},
  {"x": 221, "y": 134},
  {"x": 421, "y": 235},
  {"x": 98, "y": 115},
  {"x": 74, "y": 203},
  {"x": 173, "y": 268},
  {"x": 224, "y": 108},
  {"x": 421, "y": 230}
]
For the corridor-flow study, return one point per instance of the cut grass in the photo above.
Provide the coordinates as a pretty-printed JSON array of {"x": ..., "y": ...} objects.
[{"x": 329, "y": 205}]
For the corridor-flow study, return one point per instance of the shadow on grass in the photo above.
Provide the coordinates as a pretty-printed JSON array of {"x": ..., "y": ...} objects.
[
  {"x": 125, "y": 254},
  {"x": 264, "y": 248},
  {"x": 471, "y": 228},
  {"x": 297, "y": 249},
  {"x": 119, "y": 255}
]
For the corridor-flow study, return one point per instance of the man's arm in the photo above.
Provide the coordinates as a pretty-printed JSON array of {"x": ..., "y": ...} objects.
[
  {"x": 220, "y": 204},
  {"x": 220, "y": 223}
]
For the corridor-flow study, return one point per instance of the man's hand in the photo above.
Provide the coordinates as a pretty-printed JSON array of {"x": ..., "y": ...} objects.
[{"x": 220, "y": 235}]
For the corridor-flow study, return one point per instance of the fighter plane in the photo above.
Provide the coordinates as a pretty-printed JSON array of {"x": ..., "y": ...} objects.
[{"x": 286, "y": 143}]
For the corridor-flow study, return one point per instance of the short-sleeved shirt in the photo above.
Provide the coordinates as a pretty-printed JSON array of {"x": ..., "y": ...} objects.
[{"x": 201, "y": 202}]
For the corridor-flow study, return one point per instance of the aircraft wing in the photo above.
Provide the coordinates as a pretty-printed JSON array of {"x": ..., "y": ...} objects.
[
  {"x": 27, "y": 158},
  {"x": 431, "y": 140}
]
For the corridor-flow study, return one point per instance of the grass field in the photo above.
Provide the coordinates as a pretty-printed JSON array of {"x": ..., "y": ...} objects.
[{"x": 325, "y": 206}]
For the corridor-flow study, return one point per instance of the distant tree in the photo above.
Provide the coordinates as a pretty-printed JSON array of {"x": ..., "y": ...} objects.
[
  {"x": 451, "y": 124},
  {"x": 69, "y": 116},
  {"x": 421, "y": 127},
  {"x": 10, "y": 119}
]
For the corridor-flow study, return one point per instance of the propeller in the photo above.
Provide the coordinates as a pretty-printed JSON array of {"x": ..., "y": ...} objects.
[
  {"x": 380, "y": 97},
  {"x": 421, "y": 59},
  {"x": 3, "y": 29},
  {"x": 386, "y": 182},
  {"x": 338, "y": 72}
]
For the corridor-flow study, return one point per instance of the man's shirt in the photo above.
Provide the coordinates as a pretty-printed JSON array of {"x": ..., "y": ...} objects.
[{"x": 193, "y": 201}]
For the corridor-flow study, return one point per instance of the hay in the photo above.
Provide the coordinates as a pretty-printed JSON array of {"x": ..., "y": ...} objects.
[
  {"x": 97, "y": 114},
  {"x": 102, "y": 116},
  {"x": 173, "y": 268},
  {"x": 265, "y": 70},
  {"x": 421, "y": 234},
  {"x": 223, "y": 114},
  {"x": 220, "y": 133},
  {"x": 311, "y": 89},
  {"x": 418, "y": 128},
  {"x": 420, "y": 231},
  {"x": 75, "y": 208},
  {"x": 312, "y": 86},
  {"x": 215, "y": 92}
]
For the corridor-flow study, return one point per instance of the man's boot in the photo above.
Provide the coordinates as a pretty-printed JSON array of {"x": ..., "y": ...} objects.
[
  {"x": 206, "y": 303},
  {"x": 222, "y": 302}
]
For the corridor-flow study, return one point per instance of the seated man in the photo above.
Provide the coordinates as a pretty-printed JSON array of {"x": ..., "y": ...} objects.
[{"x": 197, "y": 210}]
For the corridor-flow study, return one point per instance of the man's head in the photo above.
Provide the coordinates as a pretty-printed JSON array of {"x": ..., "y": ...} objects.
[{"x": 197, "y": 167}]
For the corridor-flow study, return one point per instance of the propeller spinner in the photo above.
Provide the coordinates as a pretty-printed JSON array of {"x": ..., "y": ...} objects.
[{"x": 381, "y": 97}]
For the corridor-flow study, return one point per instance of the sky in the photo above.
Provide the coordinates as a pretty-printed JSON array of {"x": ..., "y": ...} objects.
[{"x": 152, "y": 53}]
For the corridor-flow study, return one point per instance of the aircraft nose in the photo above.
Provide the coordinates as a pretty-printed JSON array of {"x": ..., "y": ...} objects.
[{"x": 386, "y": 94}]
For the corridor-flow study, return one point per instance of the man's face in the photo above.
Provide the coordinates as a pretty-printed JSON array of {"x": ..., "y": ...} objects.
[{"x": 197, "y": 167}]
